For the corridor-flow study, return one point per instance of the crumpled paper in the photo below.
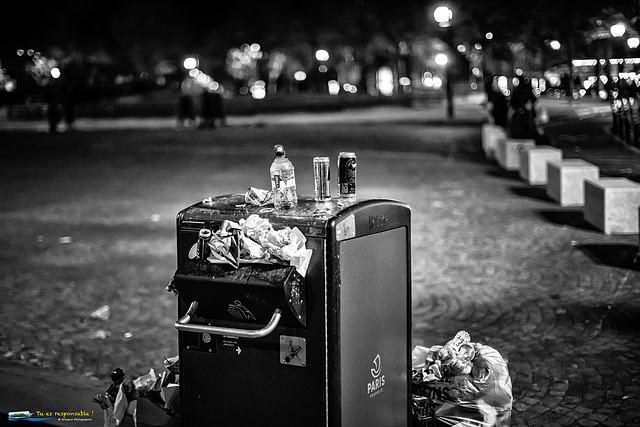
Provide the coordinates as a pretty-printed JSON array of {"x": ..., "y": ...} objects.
[
  {"x": 258, "y": 197},
  {"x": 255, "y": 240}
]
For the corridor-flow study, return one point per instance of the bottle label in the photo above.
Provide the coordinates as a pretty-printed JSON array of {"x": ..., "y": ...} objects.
[
  {"x": 280, "y": 183},
  {"x": 277, "y": 181}
]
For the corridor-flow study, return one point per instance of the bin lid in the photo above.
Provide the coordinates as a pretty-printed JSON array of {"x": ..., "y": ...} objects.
[{"x": 310, "y": 216}]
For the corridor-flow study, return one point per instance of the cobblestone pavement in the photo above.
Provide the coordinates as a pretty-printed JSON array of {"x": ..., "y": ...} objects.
[
  {"x": 490, "y": 255},
  {"x": 560, "y": 300}
]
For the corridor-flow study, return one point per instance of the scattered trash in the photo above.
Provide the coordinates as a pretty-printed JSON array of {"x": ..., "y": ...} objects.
[
  {"x": 149, "y": 400},
  {"x": 64, "y": 240},
  {"x": 155, "y": 218},
  {"x": 128, "y": 335},
  {"x": 102, "y": 313},
  {"x": 100, "y": 334}
]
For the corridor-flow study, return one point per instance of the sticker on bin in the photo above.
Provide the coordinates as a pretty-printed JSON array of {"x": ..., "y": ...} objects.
[
  {"x": 346, "y": 229},
  {"x": 293, "y": 351}
]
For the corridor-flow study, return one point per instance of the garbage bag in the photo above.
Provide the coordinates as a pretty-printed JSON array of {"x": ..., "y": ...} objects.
[{"x": 460, "y": 384}]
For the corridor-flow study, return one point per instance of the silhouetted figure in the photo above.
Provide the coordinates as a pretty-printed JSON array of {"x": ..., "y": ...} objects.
[
  {"x": 499, "y": 104},
  {"x": 186, "y": 104},
  {"x": 52, "y": 98},
  {"x": 69, "y": 99},
  {"x": 449, "y": 94},
  {"x": 212, "y": 110},
  {"x": 523, "y": 100},
  {"x": 71, "y": 83},
  {"x": 565, "y": 84}
]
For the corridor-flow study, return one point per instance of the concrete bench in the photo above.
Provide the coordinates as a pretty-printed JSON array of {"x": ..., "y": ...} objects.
[
  {"x": 508, "y": 152},
  {"x": 611, "y": 204},
  {"x": 491, "y": 134},
  {"x": 565, "y": 180},
  {"x": 533, "y": 163}
]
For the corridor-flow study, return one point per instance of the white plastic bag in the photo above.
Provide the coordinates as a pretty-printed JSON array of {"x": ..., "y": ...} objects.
[{"x": 461, "y": 383}]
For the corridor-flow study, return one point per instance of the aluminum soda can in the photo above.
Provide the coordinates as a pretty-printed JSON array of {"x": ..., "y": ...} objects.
[
  {"x": 347, "y": 174},
  {"x": 321, "y": 178}
]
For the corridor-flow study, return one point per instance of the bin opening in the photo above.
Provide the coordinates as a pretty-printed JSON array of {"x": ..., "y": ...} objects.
[{"x": 250, "y": 293}]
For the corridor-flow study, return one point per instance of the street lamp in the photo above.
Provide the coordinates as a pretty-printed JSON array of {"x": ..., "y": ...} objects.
[
  {"x": 322, "y": 56},
  {"x": 443, "y": 16},
  {"x": 617, "y": 30},
  {"x": 633, "y": 42},
  {"x": 441, "y": 59},
  {"x": 190, "y": 63}
]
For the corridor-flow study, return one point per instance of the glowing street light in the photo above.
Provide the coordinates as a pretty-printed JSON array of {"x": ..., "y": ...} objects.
[
  {"x": 190, "y": 63},
  {"x": 322, "y": 55},
  {"x": 555, "y": 45},
  {"x": 633, "y": 42},
  {"x": 443, "y": 16},
  {"x": 441, "y": 59},
  {"x": 617, "y": 30}
]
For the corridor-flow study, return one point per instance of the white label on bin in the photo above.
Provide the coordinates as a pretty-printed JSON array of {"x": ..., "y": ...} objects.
[
  {"x": 376, "y": 384},
  {"x": 346, "y": 229}
]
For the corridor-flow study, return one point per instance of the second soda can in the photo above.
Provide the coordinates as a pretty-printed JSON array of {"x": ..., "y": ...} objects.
[
  {"x": 347, "y": 174},
  {"x": 321, "y": 179}
]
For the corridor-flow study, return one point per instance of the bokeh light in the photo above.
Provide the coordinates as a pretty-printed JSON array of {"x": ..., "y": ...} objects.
[
  {"x": 441, "y": 59},
  {"x": 322, "y": 55},
  {"x": 190, "y": 63},
  {"x": 443, "y": 16},
  {"x": 618, "y": 30},
  {"x": 385, "y": 81},
  {"x": 334, "y": 87}
]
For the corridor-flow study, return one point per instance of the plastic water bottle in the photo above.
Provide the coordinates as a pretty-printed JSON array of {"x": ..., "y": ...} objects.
[{"x": 283, "y": 181}]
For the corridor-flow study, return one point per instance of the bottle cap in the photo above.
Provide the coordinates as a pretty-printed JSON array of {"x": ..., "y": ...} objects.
[{"x": 117, "y": 375}]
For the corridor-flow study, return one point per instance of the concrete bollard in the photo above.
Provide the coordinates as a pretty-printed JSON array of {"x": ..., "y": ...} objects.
[
  {"x": 508, "y": 153},
  {"x": 533, "y": 163},
  {"x": 611, "y": 204},
  {"x": 491, "y": 134},
  {"x": 565, "y": 180}
]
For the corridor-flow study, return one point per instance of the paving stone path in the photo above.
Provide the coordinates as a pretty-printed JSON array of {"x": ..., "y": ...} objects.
[{"x": 490, "y": 255}]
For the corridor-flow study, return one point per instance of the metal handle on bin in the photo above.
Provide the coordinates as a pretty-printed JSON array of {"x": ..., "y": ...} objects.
[{"x": 183, "y": 325}]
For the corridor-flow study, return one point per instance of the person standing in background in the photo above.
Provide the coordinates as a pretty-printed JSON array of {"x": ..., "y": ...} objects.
[
  {"x": 499, "y": 103},
  {"x": 52, "y": 98},
  {"x": 522, "y": 102},
  {"x": 189, "y": 90}
]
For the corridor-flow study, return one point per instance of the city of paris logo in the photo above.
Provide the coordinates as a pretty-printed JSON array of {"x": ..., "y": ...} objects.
[{"x": 375, "y": 386}]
